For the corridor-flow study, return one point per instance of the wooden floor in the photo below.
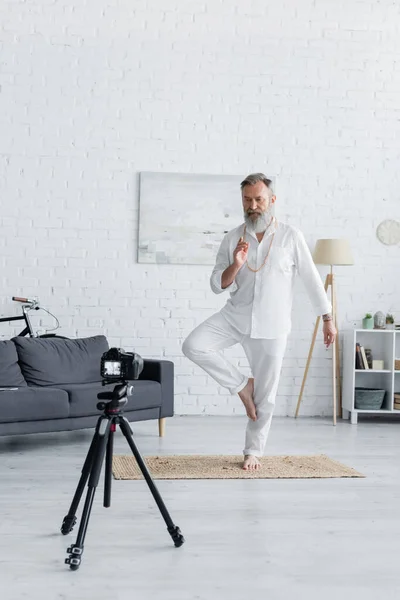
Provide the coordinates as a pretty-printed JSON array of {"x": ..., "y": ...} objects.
[{"x": 272, "y": 539}]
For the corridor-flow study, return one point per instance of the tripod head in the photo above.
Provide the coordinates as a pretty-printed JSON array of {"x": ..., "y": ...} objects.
[{"x": 118, "y": 397}]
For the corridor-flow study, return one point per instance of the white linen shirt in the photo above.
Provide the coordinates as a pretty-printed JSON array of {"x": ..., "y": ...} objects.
[{"x": 260, "y": 304}]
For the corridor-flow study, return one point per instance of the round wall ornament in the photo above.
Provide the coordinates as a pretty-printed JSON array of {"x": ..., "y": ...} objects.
[{"x": 388, "y": 232}]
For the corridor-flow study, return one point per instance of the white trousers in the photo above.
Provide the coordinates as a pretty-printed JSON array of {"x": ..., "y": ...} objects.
[{"x": 204, "y": 345}]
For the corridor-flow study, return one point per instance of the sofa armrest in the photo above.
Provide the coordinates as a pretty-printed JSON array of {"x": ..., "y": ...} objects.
[{"x": 163, "y": 372}]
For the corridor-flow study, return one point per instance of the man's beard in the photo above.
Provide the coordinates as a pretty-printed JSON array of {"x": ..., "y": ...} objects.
[{"x": 260, "y": 224}]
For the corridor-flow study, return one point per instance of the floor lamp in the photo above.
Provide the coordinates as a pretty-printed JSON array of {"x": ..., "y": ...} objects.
[{"x": 329, "y": 252}]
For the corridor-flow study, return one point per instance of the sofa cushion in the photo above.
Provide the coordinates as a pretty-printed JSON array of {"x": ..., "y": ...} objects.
[
  {"x": 10, "y": 372},
  {"x": 57, "y": 361},
  {"x": 33, "y": 404},
  {"x": 83, "y": 398}
]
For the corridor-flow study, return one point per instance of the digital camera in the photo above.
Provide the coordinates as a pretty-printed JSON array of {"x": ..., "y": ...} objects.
[{"x": 118, "y": 365}]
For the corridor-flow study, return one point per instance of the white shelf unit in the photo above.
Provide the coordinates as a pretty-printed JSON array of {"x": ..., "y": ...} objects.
[{"x": 384, "y": 345}]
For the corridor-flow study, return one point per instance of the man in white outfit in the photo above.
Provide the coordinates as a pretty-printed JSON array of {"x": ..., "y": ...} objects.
[{"x": 257, "y": 263}]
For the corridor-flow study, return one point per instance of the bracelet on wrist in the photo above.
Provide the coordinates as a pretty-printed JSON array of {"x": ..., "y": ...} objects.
[{"x": 327, "y": 317}]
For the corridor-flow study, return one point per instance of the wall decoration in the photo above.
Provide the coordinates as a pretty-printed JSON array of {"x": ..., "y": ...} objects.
[
  {"x": 183, "y": 217},
  {"x": 388, "y": 232}
]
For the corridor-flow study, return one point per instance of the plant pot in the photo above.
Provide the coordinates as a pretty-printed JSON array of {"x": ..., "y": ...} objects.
[
  {"x": 390, "y": 326},
  {"x": 368, "y": 323}
]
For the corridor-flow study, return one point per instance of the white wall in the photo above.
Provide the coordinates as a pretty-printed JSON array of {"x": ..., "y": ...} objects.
[{"x": 94, "y": 92}]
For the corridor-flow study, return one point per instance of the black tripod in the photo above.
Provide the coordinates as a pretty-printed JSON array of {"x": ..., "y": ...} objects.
[{"x": 102, "y": 444}]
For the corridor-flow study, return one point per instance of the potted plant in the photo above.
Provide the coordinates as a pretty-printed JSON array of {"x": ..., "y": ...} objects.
[
  {"x": 368, "y": 321},
  {"x": 389, "y": 321}
]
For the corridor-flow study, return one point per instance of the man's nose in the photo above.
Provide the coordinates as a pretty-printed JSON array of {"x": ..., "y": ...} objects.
[{"x": 253, "y": 205}]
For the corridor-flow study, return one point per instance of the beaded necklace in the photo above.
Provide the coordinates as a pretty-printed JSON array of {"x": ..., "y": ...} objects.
[{"x": 266, "y": 258}]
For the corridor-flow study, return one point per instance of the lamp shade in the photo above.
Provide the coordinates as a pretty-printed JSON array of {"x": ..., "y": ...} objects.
[{"x": 333, "y": 252}]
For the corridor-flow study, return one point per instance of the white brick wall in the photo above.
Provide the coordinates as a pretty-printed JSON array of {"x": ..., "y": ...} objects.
[{"x": 94, "y": 92}]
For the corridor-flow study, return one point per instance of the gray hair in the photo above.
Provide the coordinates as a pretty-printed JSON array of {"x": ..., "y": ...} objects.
[{"x": 254, "y": 178}]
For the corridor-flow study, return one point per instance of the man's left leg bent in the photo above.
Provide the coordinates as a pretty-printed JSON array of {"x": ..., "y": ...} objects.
[{"x": 265, "y": 358}]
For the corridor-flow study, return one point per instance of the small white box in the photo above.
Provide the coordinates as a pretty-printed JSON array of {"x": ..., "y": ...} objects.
[{"x": 378, "y": 365}]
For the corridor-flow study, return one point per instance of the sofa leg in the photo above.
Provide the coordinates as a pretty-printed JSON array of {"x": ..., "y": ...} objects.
[{"x": 161, "y": 427}]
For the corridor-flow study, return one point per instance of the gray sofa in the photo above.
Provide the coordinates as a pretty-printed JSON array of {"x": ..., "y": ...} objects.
[{"x": 57, "y": 381}]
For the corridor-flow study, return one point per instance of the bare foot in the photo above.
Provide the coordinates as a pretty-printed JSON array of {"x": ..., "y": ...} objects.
[
  {"x": 251, "y": 463},
  {"x": 246, "y": 396}
]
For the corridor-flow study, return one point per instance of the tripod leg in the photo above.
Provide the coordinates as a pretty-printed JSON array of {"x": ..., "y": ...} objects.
[
  {"x": 76, "y": 550},
  {"x": 108, "y": 467},
  {"x": 310, "y": 353},
  {"x": 70, "y": 519},
  {"x": 173, "y": 530}
]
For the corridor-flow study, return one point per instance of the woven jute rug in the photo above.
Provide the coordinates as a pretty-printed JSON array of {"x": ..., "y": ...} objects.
[{"x": 230, "y": 467}]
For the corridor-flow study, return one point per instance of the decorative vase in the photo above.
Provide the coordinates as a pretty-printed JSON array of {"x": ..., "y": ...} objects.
[
  {"x": 379, "y": 320},
  {"x": 368, "y": 323}
]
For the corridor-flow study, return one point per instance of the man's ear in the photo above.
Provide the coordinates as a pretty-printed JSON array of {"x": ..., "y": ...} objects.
[{"x": 273, "y": 198}]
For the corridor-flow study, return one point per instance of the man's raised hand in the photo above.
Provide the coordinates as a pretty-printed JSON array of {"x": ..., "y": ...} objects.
[{"x": 240, "y": 253}]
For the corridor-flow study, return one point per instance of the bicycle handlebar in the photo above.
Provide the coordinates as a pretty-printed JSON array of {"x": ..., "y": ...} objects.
[{"x": 25, "y": 300}]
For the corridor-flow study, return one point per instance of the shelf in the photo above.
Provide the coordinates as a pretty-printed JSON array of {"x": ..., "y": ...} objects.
[
  {"x": 372, "y": 371},
  {"x": 379, "y": 410},
  {"x": 384, "y": 345},
  {"x": 377, "y": 330}
]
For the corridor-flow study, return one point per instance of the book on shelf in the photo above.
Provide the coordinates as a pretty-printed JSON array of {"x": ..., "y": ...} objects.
[
  {"x": 359, "y": 362},
  {"x": 363, "y": 355},
  {"x": 363, "y": 360},
  {"x": 396, "y": 406},
  {"x": 368, "y": 354}
]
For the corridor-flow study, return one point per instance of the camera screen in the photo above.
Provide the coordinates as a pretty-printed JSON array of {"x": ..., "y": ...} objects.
[{"x": 112, "y": 367}]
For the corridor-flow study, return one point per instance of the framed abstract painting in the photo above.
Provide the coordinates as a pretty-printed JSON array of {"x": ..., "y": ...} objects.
[{"x": 183, "y": 217}]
